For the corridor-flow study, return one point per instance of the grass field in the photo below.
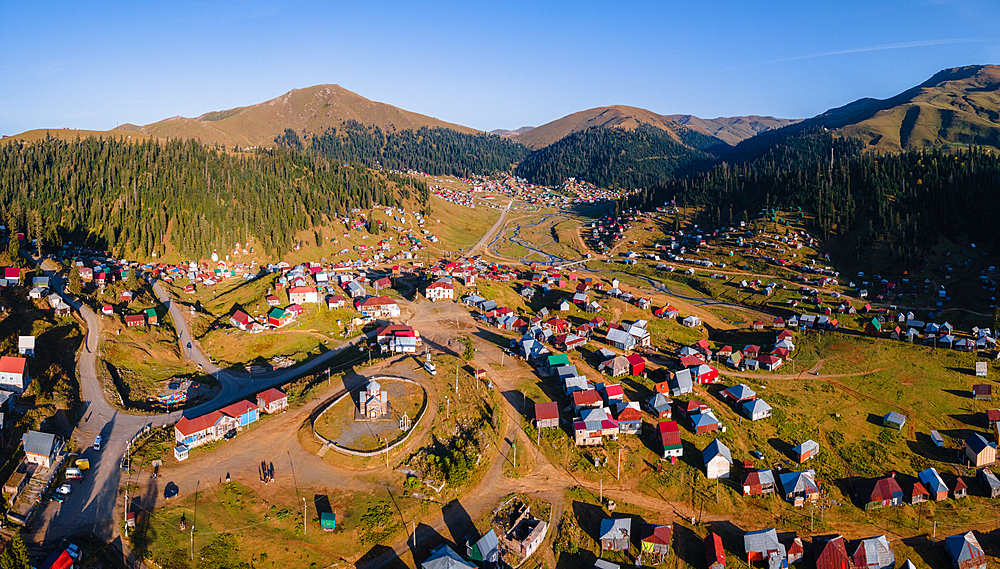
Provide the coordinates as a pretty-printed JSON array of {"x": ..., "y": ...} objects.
[{"x": 311, "y": 333}]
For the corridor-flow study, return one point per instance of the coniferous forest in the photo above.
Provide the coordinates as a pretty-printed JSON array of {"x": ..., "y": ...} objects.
[
  {"x": 130, "y": 198},
  {"x": 907, "y": 200},
  {"x": 435, "y": 151},
  {"x": 614, "y": 157}
]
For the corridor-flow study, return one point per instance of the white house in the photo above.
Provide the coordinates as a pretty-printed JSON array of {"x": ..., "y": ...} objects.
[
  {"x": 692, "y": 321},
  {"x": 26, "y": 345},
  {"x": 718, "y": 460},
  {"x": 14, "y": 374},
  {"x": 439, "y": 290}
]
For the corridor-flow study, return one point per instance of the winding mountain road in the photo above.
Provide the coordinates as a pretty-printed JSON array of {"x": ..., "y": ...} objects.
[{"x": 92, "y": 505}]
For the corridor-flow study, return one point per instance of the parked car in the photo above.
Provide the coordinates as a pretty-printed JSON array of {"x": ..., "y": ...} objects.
[
  {"x": 97, "y": 443},
  {"x": 170, "y": 492},
  {"x": 64, "y": 489}
]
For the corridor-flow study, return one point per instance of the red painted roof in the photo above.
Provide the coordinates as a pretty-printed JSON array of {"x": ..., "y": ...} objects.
[
  {"x": 586, "y": 397},
  {"x": 377, "y": 301},
  {"x": 238, "y": 408},
  {"x": 395, "y": 330},
  {"x": 12, "y": 273},
  {"x": 270, "y": 396},
  {"x": 547, "y": 410},
  {"x": 188, "y": 427},
  {"x": 301, "y": 289},
  {"x": 714, "y": 551},
  {"x": 64, "y": 561},
  {"x": 241, "y": 317},
  {"x": 614, "y": 390},
  {"x": 630, "y": 414},
  {"x": 135, "y": 318},
  {"x": 635, "y": 359},
  {"x": 12, "y": 364}
]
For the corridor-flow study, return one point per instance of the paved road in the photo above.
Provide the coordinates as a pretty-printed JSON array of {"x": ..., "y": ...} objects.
[
  {"x": 91, "y": 508},
  {"x": 489, "y": 234}
]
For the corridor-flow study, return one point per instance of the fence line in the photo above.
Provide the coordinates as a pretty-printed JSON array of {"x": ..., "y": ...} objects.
[{"x": 413, "y": 426}]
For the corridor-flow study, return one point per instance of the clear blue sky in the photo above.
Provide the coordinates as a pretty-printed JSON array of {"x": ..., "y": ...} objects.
[{"x": 482, "y": 64}]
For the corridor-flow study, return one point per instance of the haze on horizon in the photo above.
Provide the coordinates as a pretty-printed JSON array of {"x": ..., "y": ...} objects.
[{"x": 483, "y": 65}]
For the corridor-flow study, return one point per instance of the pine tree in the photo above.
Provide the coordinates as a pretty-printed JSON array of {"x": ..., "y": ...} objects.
[
  {"x": 12, "y": 248},
  {"x": 7, "y": 560},
  {"x": 75, "y": 285},
  {"x": 19, "y": 552}
]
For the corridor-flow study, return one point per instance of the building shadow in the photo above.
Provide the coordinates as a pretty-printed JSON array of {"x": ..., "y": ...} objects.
[
  {"x": 459, "y": 523},
  {"x": 688, "y": 546},
  {"x": 380, "y": 556},
  {"x": 930, "y": 552},
  {"x": 589, "y": 517}
]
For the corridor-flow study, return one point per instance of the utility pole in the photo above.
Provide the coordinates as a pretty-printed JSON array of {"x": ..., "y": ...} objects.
[
  {"x": 414, "y": 534},
  {"x": 304, "y": 514},
  {"x": 618, "y": 476},
  {"x": 812, "y": 512},
  {"x": 602, "y": 492},
  {"x": 934, "y": 535},
  {"x": 456, "y": 378},
  {"x": 447, "y": 407},
  {"x": 513, "y": 447}
]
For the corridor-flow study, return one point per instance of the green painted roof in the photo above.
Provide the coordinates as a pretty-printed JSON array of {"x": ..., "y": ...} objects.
[{"x": 558, "y": 359}]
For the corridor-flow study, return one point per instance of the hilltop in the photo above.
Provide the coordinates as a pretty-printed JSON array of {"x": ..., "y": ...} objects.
[
  {"x": 619, "y": 116},
  {"x": 733, "y": 130},
  {"x": 506, "y": 132},
  {"x": 311, "y": 110}
]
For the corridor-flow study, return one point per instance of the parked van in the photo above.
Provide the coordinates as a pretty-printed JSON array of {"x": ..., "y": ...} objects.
[
  {"x": 83, "y": 463},
  {"x": 73, "y": 474}
]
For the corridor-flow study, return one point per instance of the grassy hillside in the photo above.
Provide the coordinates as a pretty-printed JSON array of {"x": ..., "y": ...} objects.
[
  {"x": 623, "y": 117},
  {"x": 955, "y": 107}
]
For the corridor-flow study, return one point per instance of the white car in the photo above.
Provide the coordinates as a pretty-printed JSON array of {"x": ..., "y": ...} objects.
[
  {"x": 64, "y": 489},
  {"x": 97, "y": 443}
]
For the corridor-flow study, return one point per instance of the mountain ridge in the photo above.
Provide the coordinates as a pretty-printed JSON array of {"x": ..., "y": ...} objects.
[
  {"x": 310, "y": 110},
  {"x": 955, "y": 107}
]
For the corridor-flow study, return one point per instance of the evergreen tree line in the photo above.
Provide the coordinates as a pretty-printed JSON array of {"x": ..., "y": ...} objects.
[
  {"x": 130, "y": 197},
  {"x": 617, "y": 158},
  {"x": 909, "y": 200},
  {"x": 436, "y": 151}
]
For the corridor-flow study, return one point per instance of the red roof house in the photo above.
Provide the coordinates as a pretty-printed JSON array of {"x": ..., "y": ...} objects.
[{"x": 637, "y": 364}]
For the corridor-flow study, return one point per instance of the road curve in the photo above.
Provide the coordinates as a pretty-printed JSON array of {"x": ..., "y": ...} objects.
[{"x": 91, "y": 508}]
